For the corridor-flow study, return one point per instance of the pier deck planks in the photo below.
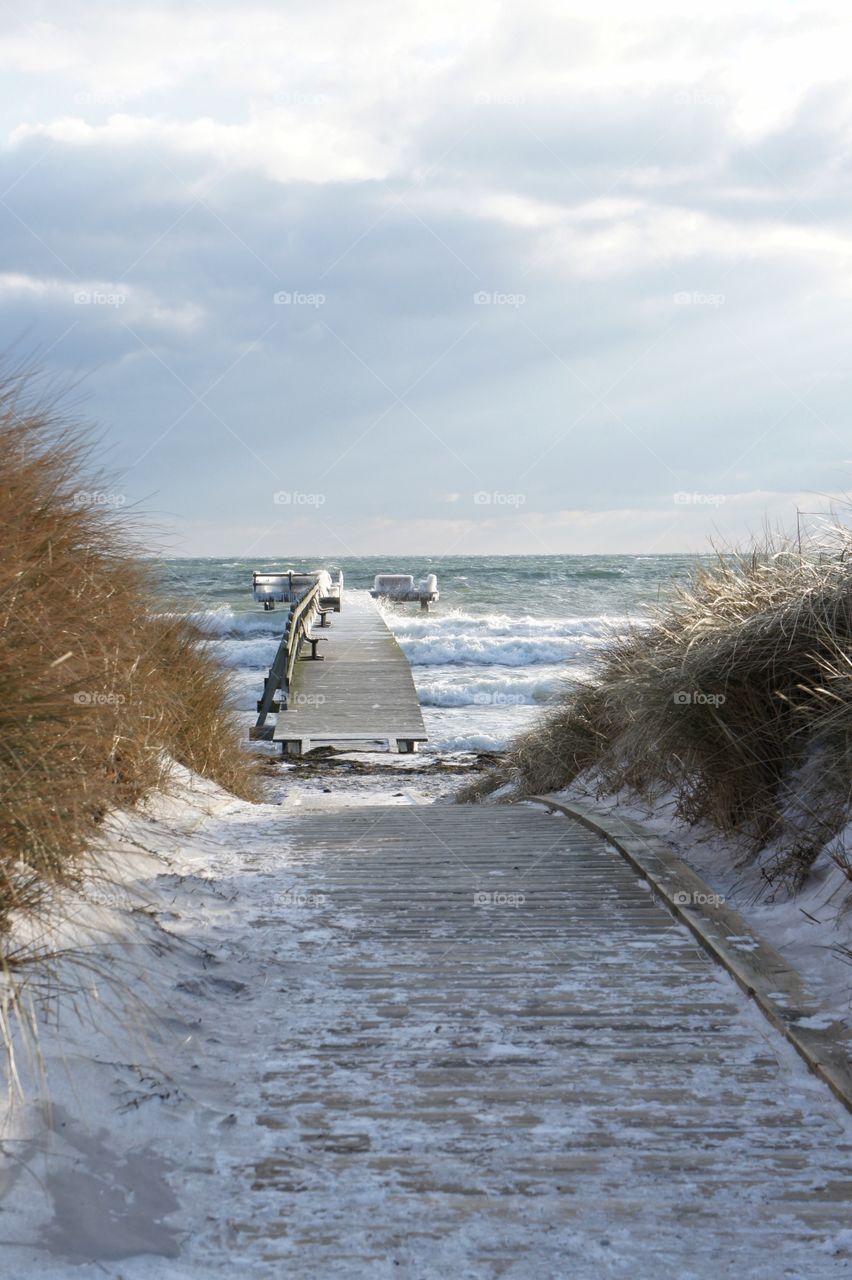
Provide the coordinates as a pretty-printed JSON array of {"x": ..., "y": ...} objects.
[
  {"x": 500, "y": 1054},
  {"x": 362, "y": 691}
]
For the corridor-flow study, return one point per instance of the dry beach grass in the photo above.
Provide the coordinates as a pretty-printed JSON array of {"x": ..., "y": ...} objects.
[
  {"x": 737, "y": 698},
  {"x": 98, "y": 690}
]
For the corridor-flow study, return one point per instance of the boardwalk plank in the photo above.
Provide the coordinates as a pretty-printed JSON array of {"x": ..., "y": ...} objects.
[
  {"x": 363, "y": 689},
  {"x": 565, "y": 1086}
]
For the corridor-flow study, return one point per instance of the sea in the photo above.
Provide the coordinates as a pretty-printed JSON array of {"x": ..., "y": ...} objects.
[{"x": 507, "y": 635}]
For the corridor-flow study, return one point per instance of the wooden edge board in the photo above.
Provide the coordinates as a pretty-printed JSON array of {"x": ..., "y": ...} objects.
[
  {"x": 328, "y": 737},
  {"x": 760, "y": 970}
]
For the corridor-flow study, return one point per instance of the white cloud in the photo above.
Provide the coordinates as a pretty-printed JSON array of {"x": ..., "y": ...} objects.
[
  {"x": 102, "y": 298},
  {"x": 280, "y": 143},
  {"x": 594, "y": 161},
  {"x": 605, "y": 237}
]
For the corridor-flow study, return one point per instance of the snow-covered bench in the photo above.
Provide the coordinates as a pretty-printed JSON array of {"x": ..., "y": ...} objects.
[
  {"x": 401, "y": 587},
  {"x": 287, "y": 585}
]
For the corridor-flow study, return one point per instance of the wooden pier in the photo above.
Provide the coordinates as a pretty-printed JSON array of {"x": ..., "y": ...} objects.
[{"x": 358, "y": 693}]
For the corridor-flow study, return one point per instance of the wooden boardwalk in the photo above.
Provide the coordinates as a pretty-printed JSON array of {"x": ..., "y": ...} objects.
[
  {"x": 500, "y": 1057},
  {"x": 361, "y": 694},
  {"x": 417, "y": 1042}
]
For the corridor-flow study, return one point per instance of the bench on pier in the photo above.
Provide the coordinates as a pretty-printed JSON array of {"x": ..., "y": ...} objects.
[
  {"x": 313, "y": 641},
  {"x": 400, "y": 587},
  {"x": 288, "y": 586}
]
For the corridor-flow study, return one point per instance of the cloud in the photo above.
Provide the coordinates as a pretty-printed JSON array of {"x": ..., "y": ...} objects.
[
  {"x": 134, "y": 305},
  {"x": 285, "y": 145},
  {"x": 657, "y": 211}
]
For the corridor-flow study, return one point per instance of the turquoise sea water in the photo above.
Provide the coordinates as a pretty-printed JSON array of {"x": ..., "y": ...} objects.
[{"x": 503, "y": 638}]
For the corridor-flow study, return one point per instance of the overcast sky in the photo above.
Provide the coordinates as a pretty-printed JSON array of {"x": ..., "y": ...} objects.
[{"x": 364, "y": 277}]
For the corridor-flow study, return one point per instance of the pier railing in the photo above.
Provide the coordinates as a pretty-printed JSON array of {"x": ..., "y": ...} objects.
[{"x": 301, "y": 615}]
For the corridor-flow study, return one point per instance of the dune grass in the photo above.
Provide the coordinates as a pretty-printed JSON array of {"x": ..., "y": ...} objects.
[
  {"x": 98, "y": 689},
  {"x": 736, "y": 699}
]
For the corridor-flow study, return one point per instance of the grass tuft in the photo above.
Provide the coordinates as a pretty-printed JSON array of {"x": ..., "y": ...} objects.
[
  {"x": 97, "y": 688},
  {"x": 737, "y": 698}
]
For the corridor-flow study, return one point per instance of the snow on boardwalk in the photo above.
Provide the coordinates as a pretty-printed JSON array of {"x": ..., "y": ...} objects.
[{"x": 438, "y": 1041}]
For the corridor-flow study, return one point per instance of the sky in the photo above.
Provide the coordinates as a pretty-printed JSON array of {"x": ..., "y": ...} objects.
[{"x": 402, "y": 278}]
